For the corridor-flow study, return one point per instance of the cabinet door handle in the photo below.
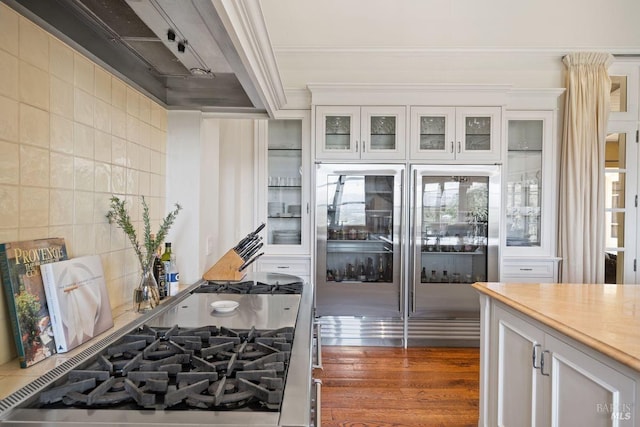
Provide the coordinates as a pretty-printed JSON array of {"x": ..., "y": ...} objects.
[
  {"x": 307, "y": 208},
  {"x": 452, "y": 146},
  {"x": 459, "y": 146},
  {"x": 542, "y": 363},
  {"x": 364, "y": 145},
  {"x": 534, "y": 355},
  {"x": 356, "y": 145}
]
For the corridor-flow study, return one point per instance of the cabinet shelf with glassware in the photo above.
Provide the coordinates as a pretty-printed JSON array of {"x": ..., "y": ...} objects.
[
  {"x": 360, "y": 133},
  {"x": 456, "y": 133},
  {"x": 282, "y": 169},
  {"x": 528, "y": 195}
]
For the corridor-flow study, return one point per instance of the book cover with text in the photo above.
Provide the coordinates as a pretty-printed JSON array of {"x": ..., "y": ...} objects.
[
  {"x": 25, "y": 296},
  {"x": 78, "y": 300}
]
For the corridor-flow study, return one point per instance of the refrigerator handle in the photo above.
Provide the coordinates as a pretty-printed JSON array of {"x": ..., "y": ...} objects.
[{"x": 413, "y": 197}]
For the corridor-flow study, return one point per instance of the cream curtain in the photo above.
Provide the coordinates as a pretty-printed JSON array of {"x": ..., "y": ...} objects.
[{"x": 582, "y": 187}]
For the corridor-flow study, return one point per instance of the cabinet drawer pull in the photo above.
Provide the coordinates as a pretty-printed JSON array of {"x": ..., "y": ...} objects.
[
  {"x": 283, "y": 266},
  {"x": 534, "y": 355},
  {"x": 542, "y": 363},
  {"x": 526, "y": 269}
]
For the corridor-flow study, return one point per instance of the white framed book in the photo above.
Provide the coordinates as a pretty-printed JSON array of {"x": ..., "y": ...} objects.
[{"x": 78, "y": 300}]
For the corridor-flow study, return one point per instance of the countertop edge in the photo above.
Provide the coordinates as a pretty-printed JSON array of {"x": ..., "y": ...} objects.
[{"x": 571, "y": 332}]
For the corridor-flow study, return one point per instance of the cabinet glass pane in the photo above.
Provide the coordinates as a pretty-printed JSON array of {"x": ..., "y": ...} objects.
[
  {"x": 359, "y": 228},
  {"x": 337, "y": 132},
  {"x": 432, "y": 133},
  {"x": 284, "y": 197},
  {"x": 618, "y": 98},
  {"x": 524, "y": 172},
  {"x": 477, "y": 133},
  {"x": 454, "y": 229},
  {"x": 383, "y": 133}
]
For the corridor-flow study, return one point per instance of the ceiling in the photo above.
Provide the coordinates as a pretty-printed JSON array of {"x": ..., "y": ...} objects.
[
  {"x": 187, "y": 54},
  {"x": 442, "y": 41}
]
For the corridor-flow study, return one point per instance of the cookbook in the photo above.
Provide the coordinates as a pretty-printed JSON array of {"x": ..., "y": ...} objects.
[{"x": 78, "y": 300}]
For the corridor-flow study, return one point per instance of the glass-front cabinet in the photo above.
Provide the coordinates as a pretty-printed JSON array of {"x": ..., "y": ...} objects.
[
  {"x": 530, "y": 189},
  {"x": 358, "y": 247},
  {"x": 456, "y": 217},
  {"x": 456, "y": 133},
  {"x": 283, "y": 200},
  {"x": 353, "y": 133}
]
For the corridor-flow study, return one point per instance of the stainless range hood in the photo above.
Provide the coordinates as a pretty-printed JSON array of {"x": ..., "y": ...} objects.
[{"x": 186, "y": 54}]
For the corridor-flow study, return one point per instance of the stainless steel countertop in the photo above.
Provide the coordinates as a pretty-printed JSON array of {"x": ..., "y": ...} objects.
[
  {"x": 261, "y": 311},
  {"x": 254, "y": 310}
]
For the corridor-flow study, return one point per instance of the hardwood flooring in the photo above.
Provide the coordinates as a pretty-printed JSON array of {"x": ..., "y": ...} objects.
[{"x": 389, "y": 386}]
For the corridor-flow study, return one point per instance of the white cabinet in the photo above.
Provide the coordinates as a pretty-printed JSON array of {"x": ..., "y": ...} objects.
[
  {"x": 283, "y": 183},
  {"x": 354, "y": 133},
  {"x": 541, "y": 379},
  {"x": 456, "y": 133}
]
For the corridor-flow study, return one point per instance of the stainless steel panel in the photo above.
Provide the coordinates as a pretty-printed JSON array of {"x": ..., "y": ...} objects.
[
  {"x": 453, "y": 300},
  {"x": 357, "y": 297},
  {"x": 260, "y": 311}
]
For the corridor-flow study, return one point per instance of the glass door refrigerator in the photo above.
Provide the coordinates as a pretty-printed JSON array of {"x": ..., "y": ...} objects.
[
  {"x": 359, "y": 224},
  {"x": 455, "y": 238}
]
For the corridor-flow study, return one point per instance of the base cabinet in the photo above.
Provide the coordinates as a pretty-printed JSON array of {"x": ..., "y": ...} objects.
[{"x": 538, "y": 377}]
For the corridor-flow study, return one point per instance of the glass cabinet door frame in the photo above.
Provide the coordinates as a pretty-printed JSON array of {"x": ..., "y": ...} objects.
[
  {"x": 455, "y": 134},
  {"x": 359, "y": 144},
  {"x": 548, "y": 187},
  {"x": 262, "y": 183}
]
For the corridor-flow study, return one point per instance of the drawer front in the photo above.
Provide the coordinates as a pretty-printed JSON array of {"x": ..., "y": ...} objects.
[
  {"x": 297, "y": 267},
  {"x": 528, "y": 269}
]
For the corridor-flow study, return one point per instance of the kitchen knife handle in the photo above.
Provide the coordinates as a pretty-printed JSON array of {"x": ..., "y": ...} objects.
[{"x": 248, "y": 263}]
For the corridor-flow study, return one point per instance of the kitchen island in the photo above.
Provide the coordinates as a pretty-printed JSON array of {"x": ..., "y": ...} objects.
[{"x": 559, "y": 354}]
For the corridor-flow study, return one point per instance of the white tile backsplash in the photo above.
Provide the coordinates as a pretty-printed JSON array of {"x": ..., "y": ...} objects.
[
  {"x": 83, "y": 140},
  {"x": 9, "y": 206},
  {"x": 34, "y": 166},
  {"x": 83, "y": 73},
  {"x": 9, "y": 163},
  {"x": 61, "y": 137},
  {"x": 61, "y": 60},
  {"x": 61, "y": 170},
  {"x": 62, "y": 95},
  {"x": 34, "y": 126},
  {"x": 84, "y": 175},
  {"x": 34, "y": 86},
  {"x": 34, "y": 44},
  {"x": 9, "y": 113},
  {"x": 34, "y": 207},
  {"x": 61, "y": 207},
  {"x": 9, "y": 22},
  {"x": 9, "y": 72},
  {"x": 70, "y": 137},
  {"x": 83, "y": 107}
]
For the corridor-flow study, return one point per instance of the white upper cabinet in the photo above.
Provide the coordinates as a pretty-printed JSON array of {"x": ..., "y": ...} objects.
[
  {"x": 461, "y": 134},
  {"x": 354, "y": 133}
]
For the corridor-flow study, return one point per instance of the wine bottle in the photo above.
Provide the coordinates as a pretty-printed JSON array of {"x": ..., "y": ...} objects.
[
  {"x": 166, "y": 261},
  {"x": 159, "y": 273}
]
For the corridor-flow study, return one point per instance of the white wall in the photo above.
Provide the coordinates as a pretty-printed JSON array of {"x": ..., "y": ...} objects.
[{"x": 210, "y": 164}]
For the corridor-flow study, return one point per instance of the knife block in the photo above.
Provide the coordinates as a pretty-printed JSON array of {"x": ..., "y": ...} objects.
[{"x": 226, "y": 268}]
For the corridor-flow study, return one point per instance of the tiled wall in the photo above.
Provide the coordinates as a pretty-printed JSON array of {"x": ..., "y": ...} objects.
[{"x": 71, "y": 135}]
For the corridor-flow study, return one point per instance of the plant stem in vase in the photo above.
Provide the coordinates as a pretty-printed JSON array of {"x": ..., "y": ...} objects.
[{"x": 147, "y": 295}]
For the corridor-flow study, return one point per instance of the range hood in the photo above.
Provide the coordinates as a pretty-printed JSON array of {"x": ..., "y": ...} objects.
[{"x": 185, "y": 54}]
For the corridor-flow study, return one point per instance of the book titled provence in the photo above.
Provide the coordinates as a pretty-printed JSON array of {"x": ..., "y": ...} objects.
[
  {"x": 78, "y": 300},
  {"x": 26, "y": 299}
]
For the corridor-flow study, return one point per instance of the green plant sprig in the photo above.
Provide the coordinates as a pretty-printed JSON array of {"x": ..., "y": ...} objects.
[{"x": 118, "y": 214}]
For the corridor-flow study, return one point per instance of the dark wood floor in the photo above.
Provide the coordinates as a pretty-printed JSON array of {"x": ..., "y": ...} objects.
[{"x": 388, "y": 386}]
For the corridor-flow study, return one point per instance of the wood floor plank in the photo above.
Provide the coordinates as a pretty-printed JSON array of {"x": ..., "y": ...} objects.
[{"x": 394, "y": 387}]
